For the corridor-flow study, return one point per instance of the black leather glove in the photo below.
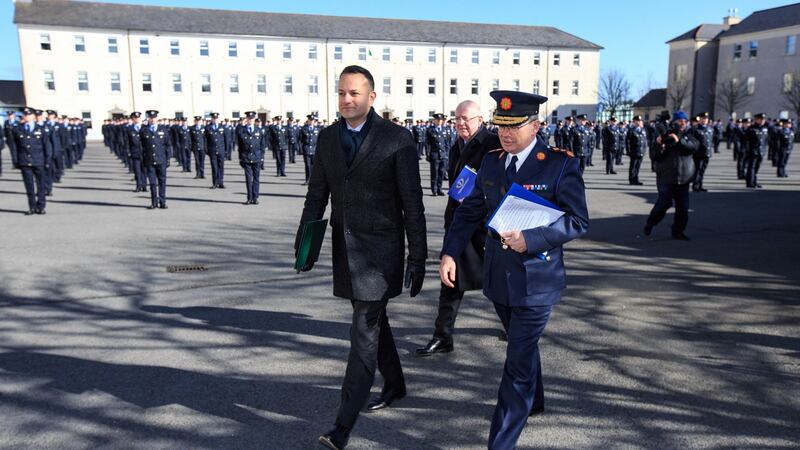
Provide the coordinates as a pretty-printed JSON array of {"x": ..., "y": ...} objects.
[{"x": 415, "y": 275}]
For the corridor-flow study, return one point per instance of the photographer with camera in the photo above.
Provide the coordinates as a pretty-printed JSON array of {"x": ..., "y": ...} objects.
[{"x": 672, "y": 154}]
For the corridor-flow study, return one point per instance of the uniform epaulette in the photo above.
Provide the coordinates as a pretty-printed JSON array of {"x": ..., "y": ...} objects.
[{"x": 563, "y": 150}]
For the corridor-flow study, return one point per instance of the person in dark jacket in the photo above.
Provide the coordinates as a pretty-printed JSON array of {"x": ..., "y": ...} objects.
[
  {"x": 785, "y": 144},
  {"x": 673, "y": 156},
  {"x": 610, "y": 142},
  {"x": 636, "y": 148},
  {"x": 33, "y": 155},
  {"x": 156, "y": 146},
  {"x": 756, "y": 144},
  {"x": 704, "y": 133}
]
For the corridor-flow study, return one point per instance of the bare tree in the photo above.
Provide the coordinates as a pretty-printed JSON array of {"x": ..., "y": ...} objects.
[
  {"x": 791, "y": 93},
  {"x": 677, "y": 93},
  {"x": 615, "y": 90},
  {"x": 731, "y": 94}
]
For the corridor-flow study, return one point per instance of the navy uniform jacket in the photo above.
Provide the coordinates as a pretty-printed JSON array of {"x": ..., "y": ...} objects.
[
  {"x": 419, "y": 134},
  {"x": 512, "y": 278},
  {"x": 135, "y": 150},
  {"x": 33, "y": 148},
  {"x": 636, "y": 142},
  {"x": 215, "y": 139},
  {"x": 705, "y": 135},
  {"x": 437, "y": 142},
  {"x": 155, "y": 146},
  {"x": 250, "y": 144},
  {"x": 230, "y": 136},
  {"x": 8, "y": 133},
  {"x": 58, "y": 138},
  {"x": 786, "y": 140},
  {"x": 198, "y": 138},
  {"x": 278, "y": 136},
  {"x": 308, "y": 138},
  {"x": 183, "y": 137},
  {"x": 756, "y": 140},
  {"x": 581, "y": 140},
  {"x": 610, "y": 140}
]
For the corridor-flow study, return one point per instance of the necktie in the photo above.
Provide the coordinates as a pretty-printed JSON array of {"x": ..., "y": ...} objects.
[
  {"x": 511, "y": 171},
  {"x": 250, "y": 128},
  {"x": 152, "y": 128}
]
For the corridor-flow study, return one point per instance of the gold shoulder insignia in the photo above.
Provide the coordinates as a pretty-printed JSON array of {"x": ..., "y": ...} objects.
[
  {"x": 564, "y": 151},
  {"x": 499, "y": 152}
]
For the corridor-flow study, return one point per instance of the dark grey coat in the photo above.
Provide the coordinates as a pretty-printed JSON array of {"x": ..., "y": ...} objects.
[
  {"x": 674, "y": 161},
  {"x": 376, "y": 204}
]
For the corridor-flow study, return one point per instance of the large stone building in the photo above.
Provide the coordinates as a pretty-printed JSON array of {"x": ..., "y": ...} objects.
[
  {"x": 97, "y": 60},
  {"x": 737, "y": 68}
]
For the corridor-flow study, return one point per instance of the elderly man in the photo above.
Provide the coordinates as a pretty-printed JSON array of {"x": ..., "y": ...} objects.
[
  {"x": 473, "y": 143},
  {"x": 524, "y": 269}
]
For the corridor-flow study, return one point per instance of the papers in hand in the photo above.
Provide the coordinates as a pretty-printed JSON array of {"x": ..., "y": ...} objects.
[
  {"x": 521, "y": 209},
  {"x": 463, "y": 184}
]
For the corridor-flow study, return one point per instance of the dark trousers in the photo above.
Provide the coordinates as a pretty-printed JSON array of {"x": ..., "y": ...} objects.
[
  {"x": 783, "y": 160},
  {"x": 35, "y": 179},
  {"x": 589, "y": 154},
  {"x": 138, "y": 173},
  {"x": 741, "y": 162},
  {"x": 609, "y": 156},
  {"x": 69, "y": 160},
  {"x": 217, "y": 168},
  {"x": 420, "y": 149},
  {"x": 308, "y": 161},
  {"x": 618, "y": 157},
  {"x": 633, "y": 170},
  {"x": 582, "y": 160},
  {"x": 438, "y": 169},
  {"x": 292, "y": 152},
  {"x": 252, "y": 178},
  {"x": 1, "y": 161},
  {"x": 701, "y": 163},
  {"x": 667, "y": 194},
  {"x": 59, "y": 166},
  {"x": 521, "y": 388},
  {"x": 228, "y": 152},
  {"x": 51, "y": 172},
  {"x": 280, "y": 162},
  {"x": 186, "y": 159},
  {"x": 200, "y": 163},
  {"x": 371, "y": 345},
  {"x": 753, "y": 164},
  {"x": 157, "y": 175},
  {"x": 449, "y": 302}
]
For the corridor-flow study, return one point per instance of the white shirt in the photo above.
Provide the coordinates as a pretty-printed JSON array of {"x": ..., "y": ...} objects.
[
  {"x": 521, "y": 156},
  {"x": 356, "y": 129}
]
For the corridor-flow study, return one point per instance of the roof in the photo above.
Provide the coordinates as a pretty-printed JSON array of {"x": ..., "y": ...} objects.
[
  {"x": 704, "y": 32},
  {"x": 12, "y": 93},
  {"x": 653, "y": 99},
  {"x": 767, "y": 19},
  {"x": 210, "y": 21}
]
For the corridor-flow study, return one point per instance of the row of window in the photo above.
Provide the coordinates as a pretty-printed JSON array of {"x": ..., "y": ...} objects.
[
  {"x": 338, "y": 50},
  {"x": 790, "y": 48},
  {"x": 288, "y": 84}
]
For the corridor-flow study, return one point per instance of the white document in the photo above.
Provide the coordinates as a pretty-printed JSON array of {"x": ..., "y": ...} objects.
[{"x": 517, "y": 214}]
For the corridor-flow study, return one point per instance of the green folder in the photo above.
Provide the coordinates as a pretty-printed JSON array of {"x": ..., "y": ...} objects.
[{"x": 310, "y": 244}]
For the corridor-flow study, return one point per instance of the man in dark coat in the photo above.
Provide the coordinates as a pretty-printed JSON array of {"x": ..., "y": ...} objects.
[
  {"x": 368, "y": 168},
  {"x": 474, "y": 142}
]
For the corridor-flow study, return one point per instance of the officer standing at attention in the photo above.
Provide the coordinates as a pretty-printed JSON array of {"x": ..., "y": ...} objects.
[
  {"x": 756, "y": 140},
  {"x": 581, "y": 137},
  {"x": 610, "y": 143},
  {"x": 524, "y": 273},
  {"x": 566, "y": 133},
  {"x": 136, "y": 152},
  {"x": 8, "y": 128},
  {"x": 437, "y": 150},
  {"x": 58, "y": 140},
  {"x": 704, "y": 133},
  {"x": 215, "y": 147},
  {"x": 33, "y": 154},
  {"x": 280, "y": 145},
  {"x": 637, "y": 147},
  {"x": 785, "y": 144},
  {"x": 308, "y": 139},
  {"x": 155, "y": 158},
  {"x": 419, "y": 138},
  {"x": 740, "y": 146},
  {"x": 198, "y": 136},
  {"x": 251, "y": 155},
  {"x": 230, "y": 138},
  {"x": 184, "y": 145},
  {"x": 293, "y": 135}
]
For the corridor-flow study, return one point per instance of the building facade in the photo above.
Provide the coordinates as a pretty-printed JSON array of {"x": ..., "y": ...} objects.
[{"x": 96, "y": 61}]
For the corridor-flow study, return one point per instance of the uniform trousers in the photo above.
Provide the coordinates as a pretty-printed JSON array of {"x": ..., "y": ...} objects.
[
  {"x": 438, "y": 169},
  {"x": 701, "y": 163},
  {"x": 35, "y": 180},
  {"x": 308, "y": 161},
  {"x": 157, "y": 175},
  {"x": 292, "y": 152},
  {"x": 449, "y": 302},
  {"x": 252, "y": 178},
  {"x": 420, "y": 149},
  {"x": 783, "y": 160},
  {"x": 667, "y": 194},
  {"x": 633, "y": 170},
  {"x": 753, "y": 164},
  {"x": 217, "y": 168},
  {"x": 200, "y": 163},
  {"x": 280, "y": 162},
  {"x": 69, "y": 160},
  {"x": 186, "y": 159},
  {"x": 609, "y": 156},
  {"x": 138, "y": 173}
]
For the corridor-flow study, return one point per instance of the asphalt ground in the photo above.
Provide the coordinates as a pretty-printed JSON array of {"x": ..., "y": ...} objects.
[{"x": 656, "y": 343}]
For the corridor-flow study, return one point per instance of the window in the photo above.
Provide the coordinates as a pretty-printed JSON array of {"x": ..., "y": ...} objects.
[
  {"x": 537, "y": 58},
  {"x": 80, "y": 44},
  {"x": 751, "y": 85},
  {"x": 86, "y": 116},
  {"x": 737, "y": 52},
  {"x": 575, "y": 87},
  {"x": 204, "y": 48},
  {"x": 312, "y": 52},
  {"x": 576, "y": 59},
  {"x": 495, "y": 84},
  {"x": 454, "y": 56},
  {"x": 49, "y": 80},
  {"x": 515, "y": 57},
  {"x": 259, "y": 50},
  {"x": 313, "y": 84},
  {"x": 431, "y": 85},
  {"x": 177, "y": 83},
  {"x": 336, "y": 85},
  {"x": 147, "y": 82},
  {"x": 515, "y": 85},
  {"x": 44, "y": 41},
  {"x": 179, "y": 114},
  {"x": 112, "y": 45},
  {"x": 409, "y": 54},
  {"x": 409, "y": 85},
  {"x": 557, "y": 59},
  {"x": 454, "y": 86},
  {"x": 791, "y": 45},
  {"x": 431, "y": 113},
  {"x": 476, "y": 57},
  {"x": 83, "y": 81},
  {"x": 536, "y": 87},
  {"x": 236, "y": 114},
  {"x": 144, "y": 46},
  {"x": 387, "y": 54},
  {"x": 474, "y": 86},
  {"x": 362, "y": 53},
  {"x": 555, "y": 87},
  {"x": 680, "y": 72},
  {"x": 205, "y": 83},
  {"x": 233, "y": 49},
  {"x": 287, "y": 84},
  {"x": 174, "y": 48},
  {"x": 261, "y": 84},
  {"x": 337, "y": 53},
  {"x": 496, "y": 57},
  {"x": 233, "y": 85},
  {"x": 387, "y": 85},
  {"x": 431, "y": 55},
  {"x": 116, "y": 85},
  {"x": 287, "y": 51},
  {"x": 753, "y": 49},
  {"x": 787, "y": 82}
]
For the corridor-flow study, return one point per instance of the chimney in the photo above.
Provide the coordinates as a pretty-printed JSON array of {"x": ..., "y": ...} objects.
[{"x": 731, "y": 19}]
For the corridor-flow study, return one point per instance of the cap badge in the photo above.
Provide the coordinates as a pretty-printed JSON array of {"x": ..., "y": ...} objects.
[
  {"x": 541, "y": 156},
  {"x": 505, "y": 103}
]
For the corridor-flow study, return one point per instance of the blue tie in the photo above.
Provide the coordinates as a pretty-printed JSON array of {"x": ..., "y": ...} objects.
[
  {"x": 30, "y": 127},
  {"x": 153, "y": 128},
  {"x": 511, "y": 171},
  {"x": 250, "y": 128}
]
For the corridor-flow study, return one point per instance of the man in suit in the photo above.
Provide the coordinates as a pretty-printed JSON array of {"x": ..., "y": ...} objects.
[
  {"x": 474, "y": 142},
  {"x": 251, "y": 155},
  {"x": 156, "y": 146},
  {"x": 524, "y": 269},
  {"x": 369, "y": 170}
]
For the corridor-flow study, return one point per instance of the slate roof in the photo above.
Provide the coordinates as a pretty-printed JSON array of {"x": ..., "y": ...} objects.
[
  {"x": 654, "y": 98},
  {"x": 767, "y": 19},
  {"x": 12, "y": 93},
  {"x": 80, "y": 14},
  {"x": 704, "y": 32}
]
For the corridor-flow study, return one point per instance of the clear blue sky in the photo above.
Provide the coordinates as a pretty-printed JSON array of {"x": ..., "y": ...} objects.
[{"x": 632, "y": 33}]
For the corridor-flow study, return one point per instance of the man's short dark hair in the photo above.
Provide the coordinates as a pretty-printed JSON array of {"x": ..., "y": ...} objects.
[{"x": 359, "y": 70}]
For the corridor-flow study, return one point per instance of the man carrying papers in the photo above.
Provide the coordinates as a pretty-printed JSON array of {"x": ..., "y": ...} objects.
[{"x": 523, "y": 270}]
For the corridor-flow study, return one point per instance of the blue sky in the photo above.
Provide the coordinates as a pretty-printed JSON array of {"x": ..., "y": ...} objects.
[{"x": 633, "y": 34}]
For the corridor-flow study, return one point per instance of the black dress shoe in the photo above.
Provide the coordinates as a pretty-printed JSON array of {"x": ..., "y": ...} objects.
[
  {"x": 30, "y": 212},
  {"x": 255, "y": 202},
  {"x": 648, "y": 230},
  {"x": 440, "y": 193},
  {"x": 384, "y": 400},
  {"x": 436, "y": 345},
  {"x": 336, "y": 439},
  {"x": 221, "y": 186},
  {"x": 613, "y": 173},
  {"x": 503, "y": 336},
  {"x": 163, "y": 206},
  {"x": 680, "y": 237},
  {"x": 213, "y": 187},
  {"x": 151, "y": 207},
  {"x": 759, "y": 186},
  {"x": 248, "y": 202},
  {"x": 536, "y": 410},
  {"x": 41, "y": 212}
]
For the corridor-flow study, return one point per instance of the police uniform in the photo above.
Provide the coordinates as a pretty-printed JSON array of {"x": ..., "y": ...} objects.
[
  {"x": 705, "y": 136},
  {"x": 756, "y": 140},
  {"x": 309, "y": 135},
  {"x": 33, "y": 157},
  {"x": 183, "y": 144},
  {"x": 293, "y": 135},
  {"x": 279, "y": 142},
  {"x": 437, "y": 154},
  {"x": 215, "y": 148},
  {"x": 636, "y": 149},
  {"x": 198, "y": 138},
  {"x": 230, "y": 138},
  {"x": 524, "y": 287},
  {"x": 136, "y": 152},
  {"x": 610, "y": 143},
  {"x": 155, "y": 159},
  {"x": 581, "y": 138},
  {"x": 419, "y": 137},
  {"x": 251, "y": 154},
  {"x": 57, "y": 142},
  {"x": 739, "y": 146}
]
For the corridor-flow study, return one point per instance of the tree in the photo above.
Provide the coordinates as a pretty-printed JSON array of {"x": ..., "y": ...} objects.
[
  {"x": 791, "y": 92},
  {"x": 615, "y": 91},
  {"x": 731, "y": 94},
  {"x": 677, "y": 93}
]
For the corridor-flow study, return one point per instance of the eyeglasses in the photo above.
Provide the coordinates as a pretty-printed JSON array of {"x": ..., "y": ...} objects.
[{"x": 465, "y": 119}]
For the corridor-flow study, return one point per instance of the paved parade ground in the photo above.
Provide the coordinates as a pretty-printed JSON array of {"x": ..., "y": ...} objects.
[{"x": 656, "y": 343}]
